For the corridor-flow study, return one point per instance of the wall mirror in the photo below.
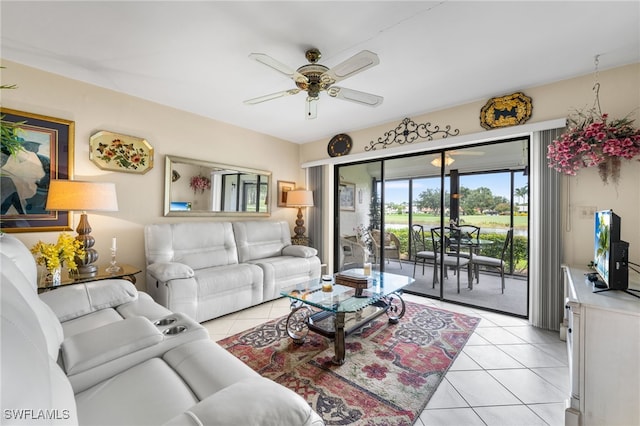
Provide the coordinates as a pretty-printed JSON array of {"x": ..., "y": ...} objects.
[{"x": 202, "y": 188}]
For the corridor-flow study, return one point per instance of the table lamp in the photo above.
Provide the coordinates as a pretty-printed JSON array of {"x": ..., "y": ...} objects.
[
  {"x": 299, "y": 198},
  {"x": 83, "y": 196}
]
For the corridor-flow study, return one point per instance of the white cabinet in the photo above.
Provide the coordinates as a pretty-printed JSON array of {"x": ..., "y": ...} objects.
[{"x": 603, "y": 342}]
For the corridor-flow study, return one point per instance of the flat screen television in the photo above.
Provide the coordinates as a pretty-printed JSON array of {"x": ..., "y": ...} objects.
[{"x": 611, "y": 254}]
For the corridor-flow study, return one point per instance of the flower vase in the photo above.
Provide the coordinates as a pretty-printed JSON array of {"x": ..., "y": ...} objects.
[{"x": 52, "y": 278}]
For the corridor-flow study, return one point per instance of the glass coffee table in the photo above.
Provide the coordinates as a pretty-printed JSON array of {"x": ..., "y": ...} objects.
[{"x": 337, "y": 313}]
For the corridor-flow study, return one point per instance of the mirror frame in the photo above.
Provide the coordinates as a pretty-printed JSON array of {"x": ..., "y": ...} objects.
[{"x": 172, "y": 159}]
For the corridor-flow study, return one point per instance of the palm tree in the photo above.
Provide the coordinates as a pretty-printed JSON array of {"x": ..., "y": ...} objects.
[{"x": 522, "y": 192}]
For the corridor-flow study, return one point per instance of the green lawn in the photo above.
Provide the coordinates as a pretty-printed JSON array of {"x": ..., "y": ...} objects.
[{"x": 520, "y": 222}]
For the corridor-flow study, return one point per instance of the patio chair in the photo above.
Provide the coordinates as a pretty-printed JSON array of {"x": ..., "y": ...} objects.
[
  {"x": 494, "y": 262},
  {"x": 352, "y": 254},
  {"x": 452, "y": 260},
  {"x": 420, "y": 250},
  {"x": 391, "y": 245},
  {"x": 470, "y": 236}
]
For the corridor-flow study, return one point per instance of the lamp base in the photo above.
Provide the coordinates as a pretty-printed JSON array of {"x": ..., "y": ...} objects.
[
  {"x": 85, "y": 263},
  {"x": 87, "y": 270},
  {"x": 299, "y": 229}
]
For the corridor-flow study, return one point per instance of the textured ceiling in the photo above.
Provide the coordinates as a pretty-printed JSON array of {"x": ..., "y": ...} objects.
[{"x": 194, "y": 55}]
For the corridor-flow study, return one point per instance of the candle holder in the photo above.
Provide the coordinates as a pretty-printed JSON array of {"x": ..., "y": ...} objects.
[{"x": 113, "y": 267}]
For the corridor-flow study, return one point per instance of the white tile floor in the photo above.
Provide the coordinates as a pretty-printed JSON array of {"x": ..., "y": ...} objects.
[{"x": 509, "y": 373}]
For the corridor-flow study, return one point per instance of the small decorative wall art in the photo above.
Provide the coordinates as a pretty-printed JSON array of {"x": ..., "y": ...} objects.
[
  {"x": 348, "y": 196},
  {"x": 283, "y": 188},
  {"x": 120, "y": 153},
  {"x": 505, "y": 111}
]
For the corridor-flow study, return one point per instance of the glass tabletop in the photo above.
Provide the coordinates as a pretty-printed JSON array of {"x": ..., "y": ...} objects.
[{"x": 343, "y": 298}]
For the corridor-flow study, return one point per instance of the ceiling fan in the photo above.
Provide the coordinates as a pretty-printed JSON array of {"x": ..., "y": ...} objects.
[{"x": 314, "y": 78}]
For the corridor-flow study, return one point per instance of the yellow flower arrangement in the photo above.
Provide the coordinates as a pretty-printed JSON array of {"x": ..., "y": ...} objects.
[{"x": 53, "y": 256}]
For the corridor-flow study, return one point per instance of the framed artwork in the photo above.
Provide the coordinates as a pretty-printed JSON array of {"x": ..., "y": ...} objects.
[
  {"x": 47, "y": 154},
  {"x": 348, "y": 196},
  {"x": 283, "y": 188},
  {"x": 120, "y": 153}
]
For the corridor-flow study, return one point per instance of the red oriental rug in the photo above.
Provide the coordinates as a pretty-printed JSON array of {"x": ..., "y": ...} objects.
[{"x": 391, "y": 370}]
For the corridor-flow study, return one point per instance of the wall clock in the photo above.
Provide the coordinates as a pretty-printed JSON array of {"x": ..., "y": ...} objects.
[{"x": 339, "y": 145}]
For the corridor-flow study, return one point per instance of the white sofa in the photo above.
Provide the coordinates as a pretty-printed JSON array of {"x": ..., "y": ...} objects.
[
  {"x": 115, "y": 360},
  {"x": 209, "y": 269}
]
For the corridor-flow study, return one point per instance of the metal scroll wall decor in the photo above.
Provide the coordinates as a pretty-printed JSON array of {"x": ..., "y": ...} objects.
[{"x": 408, "y": 132}]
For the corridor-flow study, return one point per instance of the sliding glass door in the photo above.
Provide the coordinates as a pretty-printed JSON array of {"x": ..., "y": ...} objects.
[{"x": 395, "y": 212}]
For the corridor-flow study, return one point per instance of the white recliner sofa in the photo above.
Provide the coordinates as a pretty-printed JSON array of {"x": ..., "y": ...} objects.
[
  {"x": 209, "y": 269},
  {"x": 120, "y": 359}
]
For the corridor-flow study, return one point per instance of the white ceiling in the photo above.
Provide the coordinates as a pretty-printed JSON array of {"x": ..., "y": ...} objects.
[{"x": 433, "y": 54}]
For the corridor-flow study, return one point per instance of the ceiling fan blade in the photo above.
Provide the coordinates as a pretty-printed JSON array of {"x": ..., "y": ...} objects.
[
  {"x": 271, "y": 96},
  {"x": 352, "y": 66},
  {"x": 466, "y": 152},
  {"x": 355, "y": 96},
  {"x": 312, "y": 107},
  {"x": 278, "y": 66}
]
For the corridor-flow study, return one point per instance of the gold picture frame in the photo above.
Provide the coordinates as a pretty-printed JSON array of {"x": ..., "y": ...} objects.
[
  {"x": 284, "y": 187},
  {"x": 120, "y": 153},
  {"x": 47, "y": 154}
]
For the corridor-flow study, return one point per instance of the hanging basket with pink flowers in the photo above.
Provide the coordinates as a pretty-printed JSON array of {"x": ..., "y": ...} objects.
[
  {"x": 199, "y": 183},
  {"x": 592, "y": 140}
]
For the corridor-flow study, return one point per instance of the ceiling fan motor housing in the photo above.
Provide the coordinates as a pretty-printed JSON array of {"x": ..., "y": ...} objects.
[{"x": 314, "y": 84}]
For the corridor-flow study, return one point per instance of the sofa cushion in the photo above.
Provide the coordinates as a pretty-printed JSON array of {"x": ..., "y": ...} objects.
[
  {"x": 20, "y": 255},
  {"x": 151, "y": 393},
  {"x": 260, "y": 239},
  {"x": 198, "y": 363},
  {"x": 90, "y": 321},
  {"x": 198, "y": 245},
  {"x": 31, "y": 381},
  {"x": 13, "y": 275},
  {"x": 277, "y": 406},
  {"x": 225, "y": 279},
  {"x": 77, "y": 300},
  {"x": 283, "y": 271},
  {"x": 103, "y": 344}
]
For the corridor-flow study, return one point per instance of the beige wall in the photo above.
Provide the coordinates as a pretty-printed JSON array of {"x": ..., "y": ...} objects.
[
  {"x": 175, "y": 132},
  {"x": 619, "y": 96},
  {"x": 169, "y": 131}
]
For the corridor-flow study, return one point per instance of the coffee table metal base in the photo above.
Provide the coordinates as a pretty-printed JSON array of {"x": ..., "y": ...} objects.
[{"x": 340, "y": 324}]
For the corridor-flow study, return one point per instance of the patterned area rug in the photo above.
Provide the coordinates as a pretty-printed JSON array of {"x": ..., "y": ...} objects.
[{"x": 391, "y": 370}]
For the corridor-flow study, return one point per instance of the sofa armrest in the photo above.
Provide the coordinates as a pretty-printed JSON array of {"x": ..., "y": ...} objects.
[
  {"x": 299, "y": 251},
  {"x": 254, "y": 401},
  {"x": 167, "y": 271},
  {"x": 76, "y": 300},
  {"x": 103, "y": 344}
]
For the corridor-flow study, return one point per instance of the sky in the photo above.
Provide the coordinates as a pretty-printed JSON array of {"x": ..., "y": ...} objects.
[{"x": 497, "y": 182}]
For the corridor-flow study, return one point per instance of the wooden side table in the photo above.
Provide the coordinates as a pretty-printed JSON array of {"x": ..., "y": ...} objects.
[{"x": 126, "y": 272}]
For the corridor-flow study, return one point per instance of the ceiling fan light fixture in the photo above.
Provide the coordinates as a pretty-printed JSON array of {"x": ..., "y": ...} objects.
[{"x": 448, "y": 160}]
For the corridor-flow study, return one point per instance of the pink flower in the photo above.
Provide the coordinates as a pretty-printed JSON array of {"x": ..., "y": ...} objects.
[{"x": 591, "y": 141}]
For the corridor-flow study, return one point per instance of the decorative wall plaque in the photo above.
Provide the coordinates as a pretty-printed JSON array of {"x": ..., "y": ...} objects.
[{"x": 509, "y": 110}]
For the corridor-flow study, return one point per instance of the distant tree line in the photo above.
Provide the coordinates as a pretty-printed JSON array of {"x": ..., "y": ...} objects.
[{"x": 472, "y": 201}]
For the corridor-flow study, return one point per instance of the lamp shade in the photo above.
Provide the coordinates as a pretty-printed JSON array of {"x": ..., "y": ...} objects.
[
  {"x": 82, "y": 196},
  {"x": 300, "y": 198}
]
